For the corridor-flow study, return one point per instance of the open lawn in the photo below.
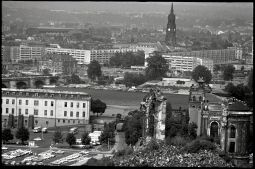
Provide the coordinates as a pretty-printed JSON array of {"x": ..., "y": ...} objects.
[{"x": 124, "y": 98}]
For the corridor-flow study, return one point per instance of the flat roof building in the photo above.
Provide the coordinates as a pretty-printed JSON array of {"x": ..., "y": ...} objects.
[{"x": 46, "y": 108}]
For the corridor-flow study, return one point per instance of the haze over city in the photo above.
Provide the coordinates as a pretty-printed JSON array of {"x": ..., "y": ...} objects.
[{"x": 158, "y": 84}]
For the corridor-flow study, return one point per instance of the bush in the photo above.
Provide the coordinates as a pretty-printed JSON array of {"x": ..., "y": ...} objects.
[
  {"x": 105, "y": 161},
  {"x": 7, "y": 135},
  {"x": 85, "y": 139},
  {"x": 152, "y": 145},
  {"x": 177, "y": 141},
  {"x": 120, "y": 153},
  {"x": 22, "y": 134},
  {"x": 70, "y": 139},
  {"x": 207, "y": 138},
  {"x": 199, "y": 144},
  {"x": 57, "y": 137}
]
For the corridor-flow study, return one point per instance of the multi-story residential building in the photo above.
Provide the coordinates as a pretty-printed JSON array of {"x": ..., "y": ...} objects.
[
  {"x": 182, "y": 63},
  {"x": 24, "y": 52},
  {"x": 82, "y": 56},
  {"x": 205, "y": 62},
  {"x": 223, "y": 56},
  {"x": 58, "y": 63},
  {"x": 86, "y": 56},
  {"x": 5, "y": 57},
  {"x": 30, "y": 52},
  {"x": 5, "y": 53},
  {"x": 15, "y": 53},
  {"x": 46, "y": 108}
]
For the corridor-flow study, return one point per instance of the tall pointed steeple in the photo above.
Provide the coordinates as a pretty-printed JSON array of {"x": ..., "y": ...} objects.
[
  {"x": 170, "y": 38},
  {"x": 172, "y": 9}
]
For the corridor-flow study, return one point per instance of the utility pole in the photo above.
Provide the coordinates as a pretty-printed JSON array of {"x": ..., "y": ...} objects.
[{"x": 108, "y": 144}]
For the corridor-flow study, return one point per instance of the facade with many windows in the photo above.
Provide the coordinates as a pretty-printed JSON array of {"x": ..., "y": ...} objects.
[
  {"x": 222, "y": 56},
  {"x": 81, "y": 56},
  {"x": 184, "y": 63},
  {"x": 58, "y": 63},
  {"x": 86, "y": 56},
  {"x": 47, "y": 108}
]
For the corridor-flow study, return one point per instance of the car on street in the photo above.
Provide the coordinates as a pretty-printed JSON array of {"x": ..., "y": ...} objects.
[
  {"x": 73, "y": 130},
  {"x": 44, "y": 130},
  {"x": 37, "y": 129}
]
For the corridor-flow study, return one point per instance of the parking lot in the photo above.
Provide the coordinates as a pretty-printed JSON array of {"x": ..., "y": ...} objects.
[{"x": 42, "y": 156}]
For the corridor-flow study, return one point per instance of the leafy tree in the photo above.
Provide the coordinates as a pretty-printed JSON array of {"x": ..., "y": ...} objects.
[
  {"x": 132, "y": 127},
  {"x": 108, "y": 134},
  {"x": 202, "y": 71},
  {"x": 7, "y": 135},
  {"x": 85, "y": 139},
  {"x": 94, "y": 70},
  {"x": 22, "y": 134},
  {"x": 97, "y": 106},
  {"x": 157, "y": 67},
  {"x": 57, "y": 137},
  {"x": 133, "y": 79},
  {"x": 46, "y": 72},
  {"x": 216, "y": 68},
  {"x": 54, "y": 79},
  {"x": 39, "y": 84},
  {"x": 75, "y": 79},
  {"x": 70, "y": 139},
  {"x": 127, "y": 59},
  {"x": 192, "y": 130},
  {"x": 229, "y": 88},
  {"x": 228, "y": 72},
  {"x": 116, "y": 60}
]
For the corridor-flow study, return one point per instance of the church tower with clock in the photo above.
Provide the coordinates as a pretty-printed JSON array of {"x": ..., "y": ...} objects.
[{"x": 171, "y": 29}]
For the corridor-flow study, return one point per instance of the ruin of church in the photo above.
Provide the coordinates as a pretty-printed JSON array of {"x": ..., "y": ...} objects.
[
  {"x": 154, "y": 109},
  {"x": 227, "y": 121}
]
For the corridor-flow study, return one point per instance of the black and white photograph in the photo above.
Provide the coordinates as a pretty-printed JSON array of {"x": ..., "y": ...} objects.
[{"x": 127, "y": 83}]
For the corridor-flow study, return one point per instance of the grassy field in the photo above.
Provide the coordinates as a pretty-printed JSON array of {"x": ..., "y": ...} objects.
[{"x": 121, "y": 98}]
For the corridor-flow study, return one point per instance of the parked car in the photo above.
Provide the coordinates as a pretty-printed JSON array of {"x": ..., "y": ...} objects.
[
  {"x": 37, "y": 129},
  {"x": 44, "y": 130},
  {"x": 74, "y": 130},
  {"x": 78, "y": 146}
]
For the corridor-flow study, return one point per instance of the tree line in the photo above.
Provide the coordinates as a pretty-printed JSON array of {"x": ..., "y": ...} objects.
[{"x": 128, "y": 59}]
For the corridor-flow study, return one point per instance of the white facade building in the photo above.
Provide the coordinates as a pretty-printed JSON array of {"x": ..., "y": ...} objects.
[
  {"x": 104, "y": 55},
  {"x": 48, "y": 108},
  {"x": 30, "y": 52},
  {"x": 82, "y": 56},
  {"x": 183, "y": 63}
]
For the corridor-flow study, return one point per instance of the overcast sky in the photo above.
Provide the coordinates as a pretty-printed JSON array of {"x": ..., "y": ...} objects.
[{"x": 124, "y": 6}]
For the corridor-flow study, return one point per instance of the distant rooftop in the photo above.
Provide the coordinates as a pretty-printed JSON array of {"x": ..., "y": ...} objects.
[{"x": 43, "y": 91}]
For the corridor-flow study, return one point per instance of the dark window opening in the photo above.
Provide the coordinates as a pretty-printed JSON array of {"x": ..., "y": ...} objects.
[
  {"x": 232, "y": 132},
  {"x": 231, "y": 147}
]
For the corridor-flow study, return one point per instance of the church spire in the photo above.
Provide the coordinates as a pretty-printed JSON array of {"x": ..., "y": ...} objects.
[{"x": 172, "y": 8}]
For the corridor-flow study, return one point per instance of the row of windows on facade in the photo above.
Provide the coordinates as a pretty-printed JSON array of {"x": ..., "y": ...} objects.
[
  {"x": 36, "y": 103},
  {"x": 45, "y": 112}
]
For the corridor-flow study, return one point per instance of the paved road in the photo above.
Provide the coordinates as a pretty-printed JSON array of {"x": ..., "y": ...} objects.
[{"x": 120, "y": 143}]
